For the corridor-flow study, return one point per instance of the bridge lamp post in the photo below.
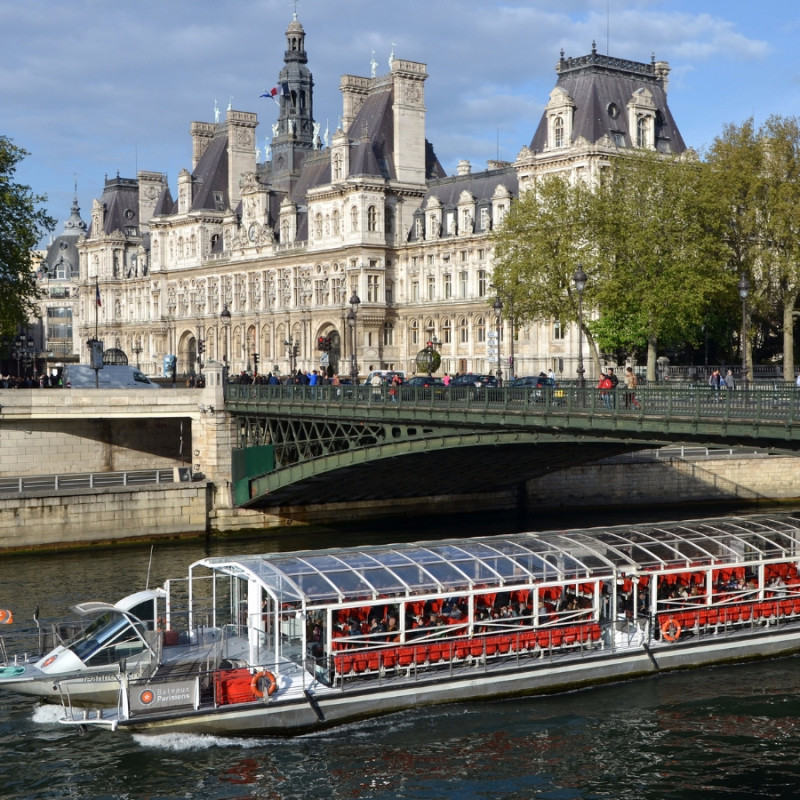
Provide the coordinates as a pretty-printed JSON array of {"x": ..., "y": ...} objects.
[
  {"x": 744, "y": 290},
  {"x": 579, "y": 279},
  {"x": 355, "y": 300},
  {"x": 498, "y": 316},
  {"x": 137, "y": 349},
  {"x": 225, "y": 319}
]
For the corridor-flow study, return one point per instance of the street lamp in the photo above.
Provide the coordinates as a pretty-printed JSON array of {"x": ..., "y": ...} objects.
[
  {"x": 292, "y": 347},
  {"x": 355, "y": 300},
  {"x": 579, "y": 279},
  {"x": 498, "y": 313},
  {"x": 225, "y": 319},
  {"x": 137, "y": 349},
  {"x": 744, "y": 290},
  {"x": 430, "y": 354}
]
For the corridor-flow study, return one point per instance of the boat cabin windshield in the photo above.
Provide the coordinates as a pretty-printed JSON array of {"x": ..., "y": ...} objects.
[{"x": 108, "y": 639}]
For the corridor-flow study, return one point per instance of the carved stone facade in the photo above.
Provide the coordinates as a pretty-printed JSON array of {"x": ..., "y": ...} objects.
[{"x": 284, "y": 243}]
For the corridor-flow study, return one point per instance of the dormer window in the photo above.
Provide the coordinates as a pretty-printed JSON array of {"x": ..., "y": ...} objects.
[{"x": 558, "y": 132}]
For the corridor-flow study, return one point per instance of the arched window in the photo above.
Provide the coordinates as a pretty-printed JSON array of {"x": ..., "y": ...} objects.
[
  {"x": 414, "y": 330},
  {"x": 463, "y": 330},
  {"x": 641, "y": 132},
  {"x": 372, "y": 219},
  {"x": 388, "y": 334},
  {"x": 558, "y": 132},
  {"x": 447, "y": 331},
  {"x": 480, "y": 330},
  {"x": 337, "y": 167}
]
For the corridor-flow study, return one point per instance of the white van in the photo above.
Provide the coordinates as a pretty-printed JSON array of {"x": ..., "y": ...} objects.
[{"x": 112, "y": 376}]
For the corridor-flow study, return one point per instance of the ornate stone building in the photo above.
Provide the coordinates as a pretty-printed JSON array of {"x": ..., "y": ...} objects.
[{"x": 262, "y": 257}]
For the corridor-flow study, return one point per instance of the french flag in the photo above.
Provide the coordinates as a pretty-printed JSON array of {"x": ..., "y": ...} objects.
[
  {"x": 276, "y": 91},
  {"x": 97, "y": 295}
]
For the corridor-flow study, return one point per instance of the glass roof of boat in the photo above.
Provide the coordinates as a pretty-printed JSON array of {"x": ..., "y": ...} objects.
[{"x": 356, "y": 573}]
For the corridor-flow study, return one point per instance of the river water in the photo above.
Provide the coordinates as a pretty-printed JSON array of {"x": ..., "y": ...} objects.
[{"x": 730, "y": 732}]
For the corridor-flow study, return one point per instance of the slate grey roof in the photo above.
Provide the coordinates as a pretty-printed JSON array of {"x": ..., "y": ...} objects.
[
  {"x": 373, "y": 133},
  {"x": 595, "y": 82},
  {"x": 62, "y": 253},
  {"x": 481, "y": 185},
  {"x": 211, "y": 175},
  {"x": 121, "y": 200}
]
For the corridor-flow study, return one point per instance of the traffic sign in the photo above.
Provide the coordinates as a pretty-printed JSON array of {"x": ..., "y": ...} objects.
[
  {"x": 491, "y": 351},
  {"x": 324, "y": 359},
  {"x": 491, "y": 335}
]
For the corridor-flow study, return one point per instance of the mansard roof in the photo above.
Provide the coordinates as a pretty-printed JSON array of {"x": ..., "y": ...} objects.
[
  {"x": 120, "y": 200},
  {"x": 211, "y": 175},
  {"x": 601, "y": 88},
  {"x": 373, "y": 132},
  {"x": 481, "y": 185}
]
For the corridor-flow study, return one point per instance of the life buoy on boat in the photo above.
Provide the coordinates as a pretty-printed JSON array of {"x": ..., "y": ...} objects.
[
  {"x": 6, "y": 617},
  {"x": 671, "y": 629},
  {"x": 272, "y": 684}
]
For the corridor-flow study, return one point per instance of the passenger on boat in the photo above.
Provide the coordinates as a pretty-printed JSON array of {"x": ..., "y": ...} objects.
[{"x": 392, "y": 630}]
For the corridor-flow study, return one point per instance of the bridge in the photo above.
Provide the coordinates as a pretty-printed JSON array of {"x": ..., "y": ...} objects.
[{"x": 327, "y": 444}]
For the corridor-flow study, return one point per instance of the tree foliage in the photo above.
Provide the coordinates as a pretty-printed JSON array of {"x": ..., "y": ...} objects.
[
  {"x": 640, "y": 235},
  {"x": 22, "y": 225}
]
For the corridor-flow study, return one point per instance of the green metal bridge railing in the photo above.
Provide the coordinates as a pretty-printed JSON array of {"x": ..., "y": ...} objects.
[{"x": 777, "y": 406}]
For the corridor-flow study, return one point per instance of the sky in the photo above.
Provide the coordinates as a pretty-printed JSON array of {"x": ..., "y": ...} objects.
[{"x": 92, "y": 88}]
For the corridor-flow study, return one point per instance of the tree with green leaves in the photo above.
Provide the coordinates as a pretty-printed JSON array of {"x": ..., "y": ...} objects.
[
  {"x": 542, "y": 240},
  {"x": 22, "y": 225},
  {"x": 658, "y": 263},
  {"x": 755, "y": 180}
]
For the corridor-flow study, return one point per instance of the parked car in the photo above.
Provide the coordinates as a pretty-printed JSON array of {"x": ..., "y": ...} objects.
[
  {"x": 541, "y": 387},
  {"x": 474, "y": 379},
  {"x": 423, "y": 381}
]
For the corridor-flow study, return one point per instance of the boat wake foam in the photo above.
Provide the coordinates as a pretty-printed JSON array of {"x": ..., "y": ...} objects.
[
  {"x": 193, "y": 741},
  {"x": 47, "y": 714}
]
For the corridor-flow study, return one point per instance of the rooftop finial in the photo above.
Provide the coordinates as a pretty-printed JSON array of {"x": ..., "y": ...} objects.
[{"x": 373, "y": 65}]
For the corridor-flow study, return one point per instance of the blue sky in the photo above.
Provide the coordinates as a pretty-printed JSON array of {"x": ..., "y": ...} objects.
[{"x": 91, "y": 87}]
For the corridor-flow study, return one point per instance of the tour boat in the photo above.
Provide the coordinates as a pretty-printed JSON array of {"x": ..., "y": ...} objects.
[
  {"x": 88, "y": 660},
  {"x": 341, "y": 634}
]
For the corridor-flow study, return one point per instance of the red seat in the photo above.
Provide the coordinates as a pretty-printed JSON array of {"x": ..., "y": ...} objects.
[
  {"x": 435, "y": 653},
  {"x": 405, "y": 656},
  {"x": 504, "y": 644},
  {"x": 746, "y": 612},
  {"x": 389, "y": 659}
]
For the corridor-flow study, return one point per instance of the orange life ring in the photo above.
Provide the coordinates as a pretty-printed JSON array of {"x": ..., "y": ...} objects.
[
  {"x": 6, "y": 617},
  {"x": 272, "y": 684},
  {"x": 671, "y": 629}
]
